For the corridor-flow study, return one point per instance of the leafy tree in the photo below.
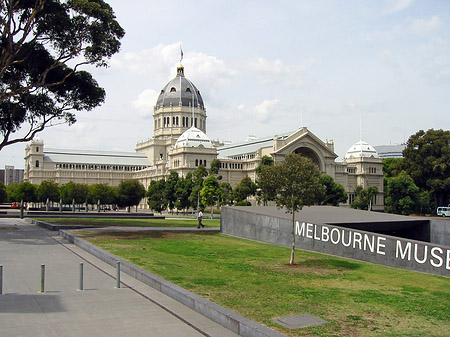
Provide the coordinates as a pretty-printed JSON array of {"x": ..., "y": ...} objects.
[
  {"x": 170, "y": 189},
  {"x": 215, "y": 166},
  {"x": 226, "y": 194},
  {"x": 156, "y": 197},
  {"x": 25, "y": 191},
  {"x": 427, "y": 161},
  {"x": 364, "y": 197},
  {"x": 265, "y": 161},
  {"x": 183, "y": 192},
  {"x": 402, "y": 195},
  {"x": 392, "y": 167},
  {"x": 244, "y": 189},
  {"x": 48, "y": 190},
  {"x": 296, "y": 185},
  {"x": 266, "y": 182},
  {"x": 74, "y": 192},
  {"x": 129, "y": 193},
  {"x": 3, "y": 195},
  {"x": 10, "y": 192},
  {"x": 210, "y": 192},
  {"x": 334, "y": 193},
  {"x": 39, "y": 40},
  {"x": 197, "y": 184},
  {"x": 102, "y": 192}
]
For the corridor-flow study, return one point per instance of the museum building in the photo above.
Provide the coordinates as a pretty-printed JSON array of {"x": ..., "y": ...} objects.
[{"x": 180, "y": 144}]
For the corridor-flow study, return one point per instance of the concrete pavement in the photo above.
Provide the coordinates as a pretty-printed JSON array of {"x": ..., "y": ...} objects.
[{"x": 62, "y": 310}]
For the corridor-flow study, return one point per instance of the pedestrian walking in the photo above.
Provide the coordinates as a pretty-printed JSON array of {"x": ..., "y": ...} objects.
[{"x": 200, "y": 218}]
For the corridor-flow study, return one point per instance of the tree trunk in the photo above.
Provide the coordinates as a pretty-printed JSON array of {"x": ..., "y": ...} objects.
[{"x": 293, "y": 237}]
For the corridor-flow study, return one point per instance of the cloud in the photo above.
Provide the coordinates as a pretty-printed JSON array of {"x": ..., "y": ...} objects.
[
  {"x": 275, "y": 71},
  {"x": 145, "y": 102},
  {"x": 265, "y": 110},
  {"x": 395, "y": 6},
  {"x": 426, "y": 27}
]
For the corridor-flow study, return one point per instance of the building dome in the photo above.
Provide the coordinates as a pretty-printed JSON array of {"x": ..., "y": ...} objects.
[
  {"x": 361, "y": 149},
  {"x": 194, "y": 137},
  {"x": 180, "y": 92}
]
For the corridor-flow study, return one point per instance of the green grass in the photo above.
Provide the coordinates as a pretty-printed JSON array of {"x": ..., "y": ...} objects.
[
  {"x": 175, "y": 222},
  {"x": 254, "y": 279}
]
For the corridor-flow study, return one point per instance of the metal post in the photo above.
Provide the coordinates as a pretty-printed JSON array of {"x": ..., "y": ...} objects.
[
  {"x": 118, "y": 274},
  {"x": 42, "y": 278},
  {"x": 81, "y": 277},
  {"x": 1, "y": 280},
  {"x": 21, "y": 209}
]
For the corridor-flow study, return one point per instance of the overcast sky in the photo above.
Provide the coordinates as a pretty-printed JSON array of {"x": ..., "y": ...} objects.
[{"x": 385, "y": 63}]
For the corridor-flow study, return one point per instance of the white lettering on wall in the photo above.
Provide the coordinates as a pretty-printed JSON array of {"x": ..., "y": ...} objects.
[
  {"x": 357, "y": 239},
  {"x": 380, "y": 245},
  {"x": 433, "y": 254},
  {"x": 425, "y": 254},
  {"x": 338, "y": 237},
  {"x": 402, "y": 253},
  {"x": 325, "y": 233}
]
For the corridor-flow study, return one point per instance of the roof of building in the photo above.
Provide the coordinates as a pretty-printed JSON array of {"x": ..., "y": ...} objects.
[
  {"x": 95, "y": 157},
  {"x": 250, "y": 146},
  {"x": 361, "y": 149},
  {"x": 180, "y": 91},
  {"x": 390, "y": 151},
  {"x": 194, "y": 137}
]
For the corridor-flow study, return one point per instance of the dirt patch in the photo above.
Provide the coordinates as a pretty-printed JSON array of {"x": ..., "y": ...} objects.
[{"x": 9, "y": 228}]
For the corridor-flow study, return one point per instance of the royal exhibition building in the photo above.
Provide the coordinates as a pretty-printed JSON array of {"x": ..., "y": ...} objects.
[{"x": 180, "y": 144}]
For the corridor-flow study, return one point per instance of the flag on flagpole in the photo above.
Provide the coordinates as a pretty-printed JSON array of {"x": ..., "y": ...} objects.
[{"x": 181, "y": 50}]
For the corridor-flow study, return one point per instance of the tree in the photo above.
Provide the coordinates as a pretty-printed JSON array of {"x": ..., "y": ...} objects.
[
  {"x": 266, "y": 182},
  {"x": 74, "y": 193},
  {"x": 334, "y": 193},
  {"x": 130, "y": 193},
  {"x": 427, "y": 161},
  {"x": 39, "y": 40},
  {"x": 364, "y": 197},
  {"x": 183, "y": 192},
  {"x": 402, "y": 195},
  {"x": 10, "y": 192},
  {"x": 197, "y": 184},
  {"x": 25, "y": 191},
  {"x": 244, "y": 189},
  {"x": 101, "y": 192},
  {"x": 156, "y": 197},
  {"x": 392, "y": 167},
  {"x": 3, "y": 195},
  {"x": 296, "y": 183},
  {"x": 210, "y": 192},
  {"x": 48, "y": 190},
  {"x": 215, "y": 166},
  {"x": 265, "y": 161},
  {"x": 170, "y": 189},
  {"x": 226, "y": 194}
]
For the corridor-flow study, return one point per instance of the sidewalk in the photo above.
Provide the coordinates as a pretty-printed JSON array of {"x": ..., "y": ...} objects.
[{"x": 62, "y": 310}]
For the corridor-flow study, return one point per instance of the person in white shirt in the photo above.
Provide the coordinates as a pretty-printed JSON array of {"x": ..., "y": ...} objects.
[{"x": 200, "y": 218}]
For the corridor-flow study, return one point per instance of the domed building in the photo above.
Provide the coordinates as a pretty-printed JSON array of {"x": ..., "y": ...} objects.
[{"x": 180, "y": 144}]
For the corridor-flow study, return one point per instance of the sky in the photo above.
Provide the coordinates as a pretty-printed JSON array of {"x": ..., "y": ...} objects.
[{"x": 376, "y": 69}]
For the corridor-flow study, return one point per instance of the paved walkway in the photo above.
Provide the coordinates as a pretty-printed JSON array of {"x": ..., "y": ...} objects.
[{"x": 62, "y": 310}]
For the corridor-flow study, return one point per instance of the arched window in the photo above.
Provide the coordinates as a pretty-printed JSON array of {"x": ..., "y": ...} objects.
[
  {"x": 173, "y": 89},
  {"x": 37, "y": 148},
  {"x": 188, "y": 89},
  {"x": 37, "y": 163},
  {"x": 176, "y": 120},
  {"x": 196, "y": 162}
]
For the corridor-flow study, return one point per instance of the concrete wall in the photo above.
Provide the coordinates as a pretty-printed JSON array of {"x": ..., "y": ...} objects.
[
  {"x": 339, "y": 241},
  {"x": 440, "y": 231}
]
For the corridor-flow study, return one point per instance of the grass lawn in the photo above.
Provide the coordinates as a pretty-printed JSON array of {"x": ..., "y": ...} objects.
[
  {"x": 255, "y": 280},
  {"x": 175, "y": 222}
]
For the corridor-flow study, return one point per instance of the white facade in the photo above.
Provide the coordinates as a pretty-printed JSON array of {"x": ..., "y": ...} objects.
[{"x": 180, "y": 144}]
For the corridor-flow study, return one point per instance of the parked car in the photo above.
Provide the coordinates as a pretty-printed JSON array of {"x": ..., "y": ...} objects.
[{"x": 443, "y": 211}]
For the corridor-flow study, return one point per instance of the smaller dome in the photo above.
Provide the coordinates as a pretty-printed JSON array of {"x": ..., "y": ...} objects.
[
  {"x": 361, "y": 149},
  {"x": 194, "y": 137}
]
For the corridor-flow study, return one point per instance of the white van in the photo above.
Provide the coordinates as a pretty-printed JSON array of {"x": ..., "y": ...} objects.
[{"x": 443, "y": 211}]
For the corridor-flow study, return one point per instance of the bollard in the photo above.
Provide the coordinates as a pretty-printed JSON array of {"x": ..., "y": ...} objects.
[
  {"x": 42, "y": 278},
  {"x": 81, "y": 277},
  {"x": 118, "y": 274},
  {"x": 1, "y": 280}
]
